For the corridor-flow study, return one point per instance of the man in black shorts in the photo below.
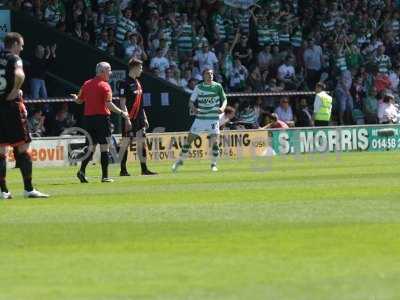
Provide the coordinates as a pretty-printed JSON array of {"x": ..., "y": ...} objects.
[
  {"x": 131, "y": 96},
  {"x": 13, "y": 116},
  {"x": 96, "y": 94}
]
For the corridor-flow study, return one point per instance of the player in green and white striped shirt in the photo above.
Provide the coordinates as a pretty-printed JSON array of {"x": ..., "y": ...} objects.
[{"x": 211, "y": 102}]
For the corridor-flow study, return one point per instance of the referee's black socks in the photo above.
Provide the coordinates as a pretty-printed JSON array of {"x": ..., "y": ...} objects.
[
  {"x": 104, "y": 163},
  {"x": 3, "y": 171},
  {"x": 24, "y": 162},
  {"x": 85, "y": 162},
  {"x": 143, "y": 159},
  {"x": 124, "y": 160}
]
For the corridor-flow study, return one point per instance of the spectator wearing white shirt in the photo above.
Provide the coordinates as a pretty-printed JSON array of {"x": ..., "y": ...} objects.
[
  {"x": 313, "y": 59},
  {"x": 285, "y": 112},
  {"x": 206, "y": 59},
  {"x": 169, "y": 76},
  {"x": 130, "y": 45},
  {"x": 286, "y": 73},
  {"x": 264, "y": 58},
  {"x": 394, "y": 78},
  {"x": 160, "y": 62},
  {"x": 103, "y": 41},
  {"x": 387, "y": 111},
  {"x": 238, "y": 76},
  {"x": 184, "y": 80}
]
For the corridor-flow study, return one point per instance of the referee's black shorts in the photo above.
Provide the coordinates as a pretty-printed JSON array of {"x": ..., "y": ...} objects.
[
  {"x": 14, "y": 129},
  {"x": 99, "y": 128},
  {"x": 138, "y": 126}
]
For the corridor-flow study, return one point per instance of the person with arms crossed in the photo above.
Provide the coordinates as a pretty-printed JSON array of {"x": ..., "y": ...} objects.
[
  {"x": 14, "y": 130},
  {"x": 131, "y": 101},
  {"x": 96, "y": 94},
  {"x": 211, "y": 101}
]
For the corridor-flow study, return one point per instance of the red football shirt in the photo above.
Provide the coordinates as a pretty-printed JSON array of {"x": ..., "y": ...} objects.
[{"x": 94, "y": 93}]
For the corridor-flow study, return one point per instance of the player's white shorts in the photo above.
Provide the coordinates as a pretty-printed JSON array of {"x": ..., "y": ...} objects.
[{"x": 205, "y": 126}]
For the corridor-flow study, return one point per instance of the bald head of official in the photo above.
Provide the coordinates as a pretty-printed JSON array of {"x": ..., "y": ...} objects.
[{"x": 103, "y": 70}]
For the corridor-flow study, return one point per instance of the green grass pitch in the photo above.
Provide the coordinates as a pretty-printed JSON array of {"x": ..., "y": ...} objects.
[{"x": 308, "y": 227}]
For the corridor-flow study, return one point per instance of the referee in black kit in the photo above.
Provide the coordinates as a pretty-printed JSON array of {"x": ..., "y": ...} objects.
[
  {"x": 134, "y": 128},
  {"x": 96, "y": 94}
]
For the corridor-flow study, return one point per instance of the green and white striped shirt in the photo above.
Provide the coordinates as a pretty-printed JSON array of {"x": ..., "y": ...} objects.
[
  {"x": 274, "y": 35},
  {"x": 341, "y": 63},
  {"x": 384, "y": 63},
  {"x": 209, "y": 98},
  {"x": 185, "y": 40},
  {"x": 328, "y": 25},
  {"x": 244, "y": 21},
  {"x": 296, "y": 39},
  {"x": 124, "y": 25},
  {"x": 220, "y": 26},
  {"x": 263, "y": 35},
  {"x": 284, "y": 38},
  {"x": 167, "y": 32},
  {"x": 248, "y": 116},
  {"x": 395, "y": 26}
]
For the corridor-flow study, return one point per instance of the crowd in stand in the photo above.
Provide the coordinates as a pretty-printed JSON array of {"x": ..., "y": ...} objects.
[{"x": 352, "y": 46}]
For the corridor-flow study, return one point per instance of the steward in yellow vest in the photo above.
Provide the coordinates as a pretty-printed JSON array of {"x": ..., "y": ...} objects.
[{"x": 322, "y": 106}]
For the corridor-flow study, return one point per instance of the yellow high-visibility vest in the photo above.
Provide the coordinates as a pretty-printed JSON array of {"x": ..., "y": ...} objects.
[{"x": 325, "y": 110}]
